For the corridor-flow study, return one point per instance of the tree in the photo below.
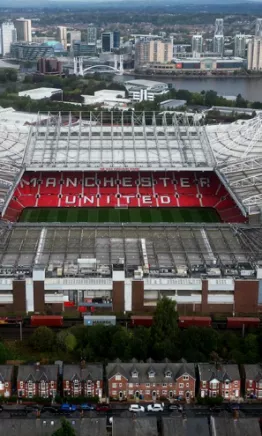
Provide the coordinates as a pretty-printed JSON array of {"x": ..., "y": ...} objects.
[
  {"x": 66, "y": 340},
  {"x": 42, "y": 339},
  {"x": 66, "y": 429}
]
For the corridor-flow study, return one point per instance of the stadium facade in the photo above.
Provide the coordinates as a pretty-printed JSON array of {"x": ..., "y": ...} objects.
[{"x": 126, "y": 162}]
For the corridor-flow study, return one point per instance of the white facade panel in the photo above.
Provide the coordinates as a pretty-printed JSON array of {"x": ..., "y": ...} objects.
[
  {"x": 195, "y": 299},
  {"x": 6, "y": 299},
  {"x": 55, "y": 298},
  {"x": 128, "y": 295},
  {"x": 6, "y": 284},
  {"x": 221, "y": 284},
  {"x": 220, "y": 299},
  {"x": 29, "y": 295},
  {"x": 78, "y": 284},
  {"x": 173, "y": 284},
  {"x": 118, "y": 276}
]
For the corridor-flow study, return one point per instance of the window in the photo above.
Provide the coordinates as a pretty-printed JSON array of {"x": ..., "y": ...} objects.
[
  {"x": 114, "y": 393},
  {"x": 52, "y": 384},
  {"x": 6, "y": 384},
  {"x": 236, "y": 383},
  {"x": 164, "y": 385},
  {"x": 114, "y": 385},
  {"x": 131, "y": 392},
  {"x": 147, "y": 385},
  {"x": 118, "y": 377},
  {"x": 21, "y": 384},
  {"x": 168, "y": 374},
  {"x": 250, "y": 382},
  {"x": 164, "y": 392},
  {"x": 187, "y": 385},
  {"x": 186, "y": 377},
  {"x": 76, "y": 383},
  {"x": 130, "y": 385},
  {"x": 151, "y": 374},
  {"x": 181, "y": 393},
  {"x": 214, "y": 385},
  {"x": 134, "y": 374},
  {"x": 204, "y": 383},
  {"x": 147, "y": 392},
  {"x": 120, "y": 385},
  {"x": 67, "y": 383},
  {"x": 181, "y": 385}
]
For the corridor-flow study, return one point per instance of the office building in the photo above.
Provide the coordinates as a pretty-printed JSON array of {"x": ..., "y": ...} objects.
[
  {"x": 23, "y": 29},
  {"x": 49, "y": 66},
  {"x": 218, "y": 44},
  {"x": 197, "y": 45},
  {"x": 107, "y": 41},
  {"x": 219, "y": 26},
  {"x": 148, "y": 51},
  {"x": 116, "y": 39},
  {"x": 62, "y": 36},
  {"x": 91, "y": 35},
  {"x": 83, "y": 49},
  {"x": 258, "y": 29},
  {"x": 240, "y": 46},
  {"x": 8, "y": 36},
  {"x": 74, "y": 36},
  {"x": 254, "y": 54},
  {"x": 30, "y": 51}
]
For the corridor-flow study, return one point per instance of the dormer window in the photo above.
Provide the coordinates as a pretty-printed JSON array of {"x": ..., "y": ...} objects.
[
  {"x": 151, "y": 374},
  {"x": 134, "y": 374},
  {"x": 168, "y": 374}
]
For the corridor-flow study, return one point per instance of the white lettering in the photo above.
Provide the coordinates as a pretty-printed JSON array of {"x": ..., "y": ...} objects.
[
  {"x": 128, "y": 198},
  {"x": 147, "y": 199},
  {"x": 164, "y": 180},
  {"x": 70, "y": 200},
  {"x": 50, "y": 181},
  {"x": 89, "y": 182},
  {"x": 31, "y": 182},
  {"x": 184, "y": 182},
  {"x": 165, "y": 199},
  {"x": 88, "y": 199},
  {"x": 204, "y": 181},
  {"x": 146, "y": 181},
  {"x": 71, "y": 182},
  {"x": 109, "y": 181},
  {"x": 127, "y": 181}
]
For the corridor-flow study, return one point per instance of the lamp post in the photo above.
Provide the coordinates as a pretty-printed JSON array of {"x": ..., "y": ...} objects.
[{"x": 20, "y": 330}]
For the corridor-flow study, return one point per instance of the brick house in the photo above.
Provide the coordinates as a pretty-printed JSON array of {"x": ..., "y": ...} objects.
[
  {"x": 253, "y": 381},
  {"x": 6, "y": 375},
  {"x": 37, "y": 380},
  {"x": 219, "y": 380},
  {"x": 150, "y": 380},
  {"x": 83, "y": 381}
]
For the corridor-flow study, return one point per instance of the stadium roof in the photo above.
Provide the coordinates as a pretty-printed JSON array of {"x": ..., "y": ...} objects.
[
  {"x": 93, "y": 141},
  {"x": 194, "y": 249},
  {"x": 145, "y": 141}
]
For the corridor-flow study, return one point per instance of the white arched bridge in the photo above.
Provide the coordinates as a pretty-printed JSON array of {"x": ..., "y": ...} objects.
[{"x": 79, "y": 70}]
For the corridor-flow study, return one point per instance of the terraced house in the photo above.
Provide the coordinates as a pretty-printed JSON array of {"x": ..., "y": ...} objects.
[
  {"x": 6, "y": 374},
  {"x": 253, "y": 381},
  {"x": 150, "y": 380},
  {"x": 219, "y": 380},
  {"x": 83, "y": 381},
  {"x": 37, "y": 380}
]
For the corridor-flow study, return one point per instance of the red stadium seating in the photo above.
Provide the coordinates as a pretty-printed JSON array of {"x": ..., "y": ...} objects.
[{"x": 123, "y": 189}]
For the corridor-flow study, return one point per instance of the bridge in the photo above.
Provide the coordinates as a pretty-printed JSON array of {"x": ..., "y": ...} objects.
[{"x": 79, "y": 70}]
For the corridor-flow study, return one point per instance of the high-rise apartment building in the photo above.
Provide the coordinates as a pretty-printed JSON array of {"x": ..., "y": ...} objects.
[
  {"x": 258, "y": 29},
  {"x": 254, "y": 54},
  {"x": 23, "y": 29},
  {"x": 116, "y": 39},
  {"x": 240, "y": 46},
  {"x": 218, "y": 44},
  {"x": 149, "y": 51},
  {"x": 197, "y": 45},
  {"x": 62, "y": 36},
  {"x": 219, "y": 26},
  {"x": 91, "y": 35},
  {"x": 74, "y": 36},
  {"x": 8, "y": 36},
  {"x": 50, "y": 66},
  {"x": 107, "y": 41}
]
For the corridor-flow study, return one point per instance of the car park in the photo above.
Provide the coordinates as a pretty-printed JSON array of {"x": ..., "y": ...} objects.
[
  {"x": 136, "y": 408},
  {"x": 155, "y": 407}
]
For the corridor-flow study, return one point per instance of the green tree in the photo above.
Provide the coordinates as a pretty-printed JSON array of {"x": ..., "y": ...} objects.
[
  {"x": 42, "y": 339},
  {"x": 3, "y": 353},
  {"x": 140, "y": 342},
  {"x": 66, "y": 429},
  {"x": 66, "y": 340}
]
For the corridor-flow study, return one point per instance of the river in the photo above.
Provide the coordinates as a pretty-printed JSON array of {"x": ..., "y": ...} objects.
[{"x": 250, "y": 89}]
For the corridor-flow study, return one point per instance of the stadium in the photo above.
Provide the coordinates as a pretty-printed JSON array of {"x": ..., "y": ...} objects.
[{"x": 124, "y": 208}]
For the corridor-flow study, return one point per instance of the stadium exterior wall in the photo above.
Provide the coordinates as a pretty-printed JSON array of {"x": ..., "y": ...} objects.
[{"x": 192, "y": 295}]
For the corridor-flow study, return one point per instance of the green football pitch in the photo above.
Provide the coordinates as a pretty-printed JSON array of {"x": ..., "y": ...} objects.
[{"x": 111, "y": 215}]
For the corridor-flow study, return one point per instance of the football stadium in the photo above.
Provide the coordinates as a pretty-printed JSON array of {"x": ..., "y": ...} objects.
[{"x": 129, "y": 207}]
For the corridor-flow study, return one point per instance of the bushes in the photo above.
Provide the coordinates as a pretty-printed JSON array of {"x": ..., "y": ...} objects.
[
  {"x": 210, "y": 401},
  {"x": 80, "y": 400}
]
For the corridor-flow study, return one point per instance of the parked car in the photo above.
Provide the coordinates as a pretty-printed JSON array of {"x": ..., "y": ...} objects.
[
  {"x": 155, "y": 407},
  {"x": 173, "y": 407},
  {"x": 136, "y": 408},
  {"x": 216, "y": 409},
  {"x": 49, "y": 409},
  {"x": 67, "y": 407},
  {"x": 103, "y": 408},
  {"x": 87, "y": 406},
  {"x": 110, "y": 420},
  {"x": 232, "y": 406}
]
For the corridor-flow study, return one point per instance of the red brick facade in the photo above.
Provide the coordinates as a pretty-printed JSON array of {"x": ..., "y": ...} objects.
[
  {"x": 6, "y": 374},
  {"x": 253, "y": 381},
  {"x": 223, "y": 381},
  {"x": 160, "y": 381},
  {"x": 37, "y": 380},
  {"x": 87, "y": 382}
]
